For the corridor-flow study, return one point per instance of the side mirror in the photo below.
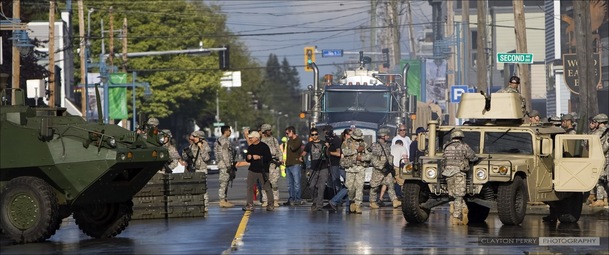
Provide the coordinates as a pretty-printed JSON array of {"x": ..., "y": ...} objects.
[
  {"x": 546, "y": 147},
  {"x": 421, "y": 138}
]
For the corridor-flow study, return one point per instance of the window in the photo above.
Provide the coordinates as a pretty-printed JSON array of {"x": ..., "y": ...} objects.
[{"x": 508, "y": 143}]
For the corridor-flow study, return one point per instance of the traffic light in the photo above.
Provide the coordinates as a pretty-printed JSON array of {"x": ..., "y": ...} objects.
[
  {"x": 224, "y": 59},
  {"x": 309, "y": 58}
]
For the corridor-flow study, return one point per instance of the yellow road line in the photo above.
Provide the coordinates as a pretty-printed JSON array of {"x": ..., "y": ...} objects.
[{"x": 241, "y": 229}]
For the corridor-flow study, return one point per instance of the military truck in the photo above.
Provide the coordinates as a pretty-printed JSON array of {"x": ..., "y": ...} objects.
[
  {"x": 518, "y": 163},
  {"x": 54, "y": 165}
]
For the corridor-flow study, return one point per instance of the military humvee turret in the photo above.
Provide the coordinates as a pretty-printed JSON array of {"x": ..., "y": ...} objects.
[{"x": 518, "y": 163}]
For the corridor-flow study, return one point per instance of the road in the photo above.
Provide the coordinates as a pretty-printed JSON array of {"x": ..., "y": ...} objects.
[{"x": 297, "y": 230}]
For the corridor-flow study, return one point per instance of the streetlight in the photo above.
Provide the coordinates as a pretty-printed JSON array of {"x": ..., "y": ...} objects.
[{"x": 279, "y": 115}]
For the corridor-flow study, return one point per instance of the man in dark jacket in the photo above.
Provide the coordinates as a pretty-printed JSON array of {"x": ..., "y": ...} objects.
[{"x": 259, "y": 157}]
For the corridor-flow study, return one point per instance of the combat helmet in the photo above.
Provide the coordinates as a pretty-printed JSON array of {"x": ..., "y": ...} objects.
[
  {"x": 265, "y": 127},
  {"x": 153, "y": 121},
  {"x": 600, "y": 118},
  {"x": 167, "y": 132},
  {"x": 383, "y": 132},
  {"x": 457, "y": 133},
  {"x": 357, "y": 134}
]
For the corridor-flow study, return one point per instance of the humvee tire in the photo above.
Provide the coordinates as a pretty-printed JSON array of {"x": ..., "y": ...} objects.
[
  {"x": 29, "y": 210},
  {"x": 512, "y": 201},
  {"x": 414, "y": 195},
  {"x": 104, "y": 220}
]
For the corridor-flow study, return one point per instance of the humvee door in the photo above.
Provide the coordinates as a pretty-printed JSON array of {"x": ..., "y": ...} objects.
[{"x": 578, "y": 162}]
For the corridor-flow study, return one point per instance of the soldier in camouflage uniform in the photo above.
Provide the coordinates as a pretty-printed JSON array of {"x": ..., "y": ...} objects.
[
  {"x": 567, "y": 124},
  {"x": 274, "y": 170},
  {"x": 381, "y": 154},
  {"x": 197, "y": 154},
  {"x": 355, "y": 161},
  {"x": 224, "y": 156},
  {"x": 174, "y": 156},
  {"x": 512, "y": 87},
  {"x": 598, "y": 126},
  {"x": 456, "y": 158}
]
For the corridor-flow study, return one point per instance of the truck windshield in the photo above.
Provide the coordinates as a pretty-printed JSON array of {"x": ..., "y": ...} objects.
[
  {"x": 357, "y": 101},
  {"x": 508, "y": 143},
  {"x": 472, "y": 138}
]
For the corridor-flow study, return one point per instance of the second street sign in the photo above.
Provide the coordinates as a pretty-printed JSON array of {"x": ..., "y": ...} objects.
[{"x": 519, "y": 58}]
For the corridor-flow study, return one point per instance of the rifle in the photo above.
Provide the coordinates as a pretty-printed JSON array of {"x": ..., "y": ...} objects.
[
  {"x": 191, "y": 159},
  {"x": 232, "y": 170}
]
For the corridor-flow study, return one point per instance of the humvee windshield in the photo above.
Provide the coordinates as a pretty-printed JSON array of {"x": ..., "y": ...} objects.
[
  {"x": 507, "y": 143},
  {"x": 472, "y": 138}
]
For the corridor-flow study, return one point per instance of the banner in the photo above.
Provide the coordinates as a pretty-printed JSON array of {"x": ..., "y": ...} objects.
[
  {"x": 118, "y": 103},
  {"x": 414, "y": 77}
]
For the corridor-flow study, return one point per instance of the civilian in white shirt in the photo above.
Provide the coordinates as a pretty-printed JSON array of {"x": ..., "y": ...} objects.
[{"x": 402, "y": 136}]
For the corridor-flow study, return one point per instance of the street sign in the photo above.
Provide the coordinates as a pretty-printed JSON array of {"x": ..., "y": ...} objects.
[
  {"x": 331, "y": 53},
  {"x": 519, "y": 58},
  {"x": 456, "y": 91},
  {"x": 218, "y": 124}
]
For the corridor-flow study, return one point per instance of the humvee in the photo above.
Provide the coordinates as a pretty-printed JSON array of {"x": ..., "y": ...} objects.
[{"x": 518, "y": 163}]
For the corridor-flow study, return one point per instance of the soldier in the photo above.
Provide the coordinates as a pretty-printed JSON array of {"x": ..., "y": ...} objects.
[
  {"x": 567, "y": 124},
  {"x": 354, "y": 151},
  {"x": 224, "y": 157},
  {"x": 174, "y": 156},
  {"x": 150, "y": 124},
  {"x": 381, "y": 156},
  {"x": 195, "y": 155},
  {"x": 456, "y": 158},
  {"x": 534, "y": 117},
  {"x": 512, "y": 86},
  {"x": 598, "y": 125},
  {"x": 274, "y": 171}
]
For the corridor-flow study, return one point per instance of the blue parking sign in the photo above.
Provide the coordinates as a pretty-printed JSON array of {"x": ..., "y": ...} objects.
[{"x": 456, "y": 91}]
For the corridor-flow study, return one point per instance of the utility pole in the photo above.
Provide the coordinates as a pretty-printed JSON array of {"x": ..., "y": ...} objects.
[
  {"x": 413, "y": 52},
  {"x": 481, "y": 54},
  {"x": 467, "y": 53},
  {"x": 521, "y": 47},
  {"x": 394, "y": 34},
  {"x": 16, "y": 79},
  {"x": 52, "y": 53},
  {"x": 450, "y": 13},
  {"x": 111, "y": 41},
  {"x": 588, "y": 101},
  {"x": 373, "y": 23},
  {"x": 124, "y": 58},
  {"x": 83, "y": 55}
]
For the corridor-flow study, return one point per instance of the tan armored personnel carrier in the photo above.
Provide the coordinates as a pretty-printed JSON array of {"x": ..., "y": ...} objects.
[{"x": 518, "y": 163}]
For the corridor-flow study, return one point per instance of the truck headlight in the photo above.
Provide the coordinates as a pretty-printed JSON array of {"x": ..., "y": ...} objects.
[
  {"x": 431, "y": 172},
  {"x": 162, "y": 155},
  {"x": 481, "y": 174},
  {"x": 111, "y": 141}
]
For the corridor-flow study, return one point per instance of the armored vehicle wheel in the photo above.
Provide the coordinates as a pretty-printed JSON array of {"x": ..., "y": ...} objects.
[
  {"x": 477, "y": 213},
  {"x": 512, "y": 201},
  {"x": 103, "y": 220},
  {"x": 569, "y": 209},
  {"x": 29, "y": 210},
  {"x": 414, "y": 195}
]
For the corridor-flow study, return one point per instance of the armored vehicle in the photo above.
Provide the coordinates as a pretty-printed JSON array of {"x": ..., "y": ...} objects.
[
  {"x": 54, "y": 165},
  {"x": 518, "y": 163}
]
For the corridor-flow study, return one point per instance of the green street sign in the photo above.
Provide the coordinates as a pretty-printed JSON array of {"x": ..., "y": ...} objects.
[
  {"x": 218, "y": 124},
  {"x": 519, "y": 58}
]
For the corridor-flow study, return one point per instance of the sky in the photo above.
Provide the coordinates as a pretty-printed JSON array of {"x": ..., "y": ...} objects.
[{"x": 284, "y": 28}]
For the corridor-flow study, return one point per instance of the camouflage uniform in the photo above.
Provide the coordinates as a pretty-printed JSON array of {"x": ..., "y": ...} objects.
[
  {"x": 356, "y": 173},
  {"x": 174, "y": 156},
  {"x": 274, "y": 170},
  {"x": 200, "y": 153},
  {"x": 381, "y": 153},
  {"x": 600, "y": 188},
  {"x": 224, "y": 156},
  {"x": 456, "y": 157}
]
